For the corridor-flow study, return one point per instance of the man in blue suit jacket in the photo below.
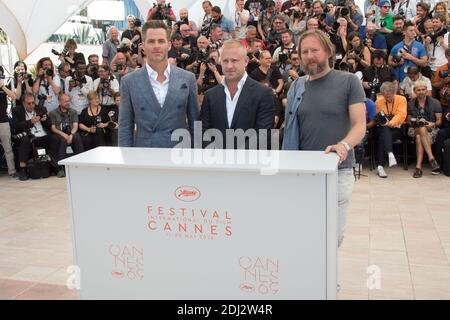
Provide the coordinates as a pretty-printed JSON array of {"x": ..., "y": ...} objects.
[{"x": 158, "y": 99}]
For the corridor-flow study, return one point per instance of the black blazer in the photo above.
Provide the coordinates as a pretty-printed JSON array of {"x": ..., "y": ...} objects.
[
  {"x": 254, "y": 110},
  {"x": 20, "y": 124}
]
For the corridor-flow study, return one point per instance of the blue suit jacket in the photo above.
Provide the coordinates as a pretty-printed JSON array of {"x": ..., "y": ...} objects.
[{"x": 154, "y": 125}]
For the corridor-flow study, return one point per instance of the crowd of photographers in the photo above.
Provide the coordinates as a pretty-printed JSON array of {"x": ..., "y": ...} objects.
[{"x": 398, "y": 49}]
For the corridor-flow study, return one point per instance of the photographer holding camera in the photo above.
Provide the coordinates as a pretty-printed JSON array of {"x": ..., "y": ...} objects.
[
  {"x": 106, "y": 86},
  {"x": 424, "y": 118},
  {"x": 408, "y": 84},
  {"x": 92, "y": 68},
  {"x": 65, "y": 125},
  {"x": 377, "y": 74},
  {"x": 78, "y": 86},
  {"x": 351, "y": 14},
  {"x": 69, "y": 55},
  {"x": 93, "y": 122},
  {"x": 47, "y": 83},
  {"x": 372, "y": 40},
  {"x": 120, "y": 66},
  {"x": 5, "y": 130},
  {"x": 162, "y": 11},
  {"x": 267, "y": 71},
  {"x": 241, "y": 17},
  {"x": 405, "y": 8},
  {"x": 22, "y": 81},
  {"x": 441, "y": 82},
  {"x": 436, "y": 42},
  {"x": 205, "y": 22},
  {"x": 64, "y": 72},
  {"x": 210, "y": 72},
  {"x": 422, "y": 11},
  {"x": 358, "y": 51},
  {"x": 274, "y": 36},
  {"x": 264, "y": 19},
  {"x": 226, "y": 24},
  {"x": 391, "y": 114},
  {"x": 396, "y": 35},
  {"x": 385, "y": 19},
  {"x": 281, "y": 54},
  {"x": 32, "y": 127},
  {"x": 133, "y": 33},
  {"x": 110, "y": 46},
  {"x": 182, "y": 55},
  {"x": 407, "y": 52}
]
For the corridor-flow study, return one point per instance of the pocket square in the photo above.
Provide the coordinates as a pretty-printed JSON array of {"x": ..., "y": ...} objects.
[{"x": 184, "y": 86}]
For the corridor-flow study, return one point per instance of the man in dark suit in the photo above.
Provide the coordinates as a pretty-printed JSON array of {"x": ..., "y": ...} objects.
[
  {"x": 158, "y": 99},
  {"x": 32, "y": 127},
  {"x": 238, "y": 103}
]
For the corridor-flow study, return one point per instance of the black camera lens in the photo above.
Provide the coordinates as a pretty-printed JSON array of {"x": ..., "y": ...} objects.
[{"x": 49, "y": 72}]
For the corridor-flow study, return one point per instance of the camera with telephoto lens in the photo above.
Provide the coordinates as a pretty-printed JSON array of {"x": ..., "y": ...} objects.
[
  {"x": 162, "y": 11},
  {"x": 436, "y": 35},
  {"x": 375, "y": 87},
  {"x": 401, "y": 12},
  {"x": 382, "y": 119},
  {"x": 216, "y": 45},
  {"x": 124, "y": 49},
  {"x": 138, "y": 23},
  {"x": 49, "y": 72},
  {"x": 283, "y": 58},
  {"x": 398, "y": 57},
  {"x": 106, "y": 85},
  {"x": 92, "y": 71},
  {"x": 119, "y": 67}
]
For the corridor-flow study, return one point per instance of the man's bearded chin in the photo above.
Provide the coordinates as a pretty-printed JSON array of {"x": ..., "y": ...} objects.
[{"x": 318, "y": 68}]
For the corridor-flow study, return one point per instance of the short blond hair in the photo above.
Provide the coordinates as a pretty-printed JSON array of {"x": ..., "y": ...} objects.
[
  {"x": 91, "y": 95},
  {"x": 233, "y": 44},
  {"x": 420, "y": 83}
]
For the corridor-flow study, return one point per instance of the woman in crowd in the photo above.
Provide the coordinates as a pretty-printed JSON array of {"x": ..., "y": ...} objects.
[
  {"x": 358, "y": 51},
  {"x": 442, "y": 8},
  {"x": 46, "y": 86},
  {"x": 93, "y": 122},
  {"x": 72, "y": 56}
]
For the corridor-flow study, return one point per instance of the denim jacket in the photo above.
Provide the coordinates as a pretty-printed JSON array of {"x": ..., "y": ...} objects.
[{"x": 291, "y": 139}]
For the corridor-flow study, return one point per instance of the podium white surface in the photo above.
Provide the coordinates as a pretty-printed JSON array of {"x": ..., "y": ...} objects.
[{"x": 147, "y": 225}]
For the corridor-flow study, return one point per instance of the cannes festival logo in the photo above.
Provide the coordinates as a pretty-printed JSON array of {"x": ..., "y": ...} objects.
[{"x": 187, "y": 194}]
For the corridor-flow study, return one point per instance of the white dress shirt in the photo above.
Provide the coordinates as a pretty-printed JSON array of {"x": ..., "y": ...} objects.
[
  {"x": 231, "y": 103},
  {"x": 78, "y": 96},
  {"x": 160, "y": 89}
]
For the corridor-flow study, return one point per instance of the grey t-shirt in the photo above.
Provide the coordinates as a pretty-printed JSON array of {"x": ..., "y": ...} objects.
[
  {"x": 323, "y": 114},
  {"x": 59, "y": 119},
  {"x": 432, "y": 106}
]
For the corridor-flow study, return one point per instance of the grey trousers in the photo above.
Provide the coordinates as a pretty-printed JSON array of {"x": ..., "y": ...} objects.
[
  {"x": 5, "y": 139},
  {"x": 346, "y": 180}
]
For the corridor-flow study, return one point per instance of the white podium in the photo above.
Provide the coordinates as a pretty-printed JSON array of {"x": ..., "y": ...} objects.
[{"x": 150, "y": 224}]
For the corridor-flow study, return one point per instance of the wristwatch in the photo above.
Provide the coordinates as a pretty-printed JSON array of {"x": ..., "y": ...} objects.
[{"x": 346, "y": 145}]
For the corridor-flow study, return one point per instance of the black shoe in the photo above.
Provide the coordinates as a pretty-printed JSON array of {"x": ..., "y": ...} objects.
[
  {"x": 418, "y": 173},
  {"x": 435, "y": 168},
  {"x": 61, "y": 173},
  {"x": 23, "y": 175}
]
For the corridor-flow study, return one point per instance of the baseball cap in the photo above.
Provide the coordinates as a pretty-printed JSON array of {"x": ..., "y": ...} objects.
[{"x": 384, "y": 2}]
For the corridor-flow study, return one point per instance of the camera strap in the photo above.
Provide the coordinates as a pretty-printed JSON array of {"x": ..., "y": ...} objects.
[
  {"x": 389, "y": 112},
  {"x": 46, "y": 86},
  {"x": 417, "y": 107}
]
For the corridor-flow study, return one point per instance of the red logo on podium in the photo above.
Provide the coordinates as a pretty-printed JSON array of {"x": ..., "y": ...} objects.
[{"x": 187, "y": 194}]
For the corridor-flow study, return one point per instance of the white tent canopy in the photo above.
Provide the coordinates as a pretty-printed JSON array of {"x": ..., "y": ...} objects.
[{"x": 29, "y": 23}]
